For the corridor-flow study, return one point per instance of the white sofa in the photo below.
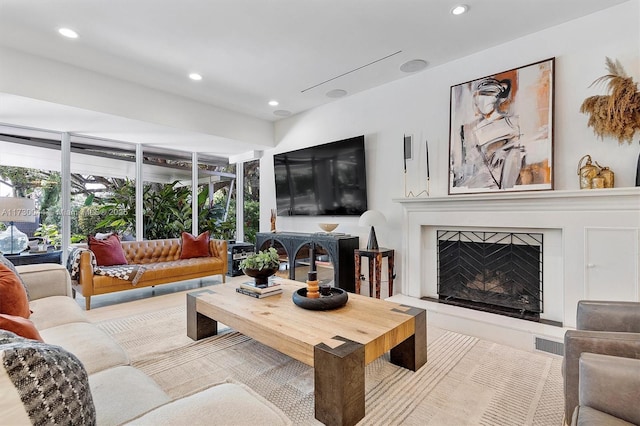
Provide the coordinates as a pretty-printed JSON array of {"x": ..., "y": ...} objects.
[{"x": 121, "y": 393}]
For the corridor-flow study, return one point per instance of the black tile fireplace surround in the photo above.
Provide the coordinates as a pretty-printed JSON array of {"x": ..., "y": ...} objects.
[{"x": 498, "y": 272}]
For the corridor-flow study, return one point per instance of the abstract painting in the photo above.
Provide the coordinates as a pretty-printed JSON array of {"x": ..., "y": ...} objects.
[{"x": 501, "y": 131}]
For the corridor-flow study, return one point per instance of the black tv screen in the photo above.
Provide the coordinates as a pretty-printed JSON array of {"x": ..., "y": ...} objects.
[{"x": 328, "y": 179}]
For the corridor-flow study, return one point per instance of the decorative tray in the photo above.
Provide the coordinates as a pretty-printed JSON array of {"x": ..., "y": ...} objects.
[{"x": 337, "y": 299}]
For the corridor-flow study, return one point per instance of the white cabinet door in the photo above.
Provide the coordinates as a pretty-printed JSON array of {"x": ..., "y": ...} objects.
[{"x": 611, "y": 262}]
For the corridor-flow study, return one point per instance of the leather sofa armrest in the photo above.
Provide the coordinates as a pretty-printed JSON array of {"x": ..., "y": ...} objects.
[
  {"x": 611, "y": 384},
  {"x": 601, "y": 342},
  {"x": 218, "y": 248},
  {"x": 608, "y": 316},
  {"x": 45, "y": 279},
  {"x": 85, "y": 274}
]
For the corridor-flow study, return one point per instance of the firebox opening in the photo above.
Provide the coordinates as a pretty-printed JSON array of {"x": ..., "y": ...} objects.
[{"x": 499, "y": 272}]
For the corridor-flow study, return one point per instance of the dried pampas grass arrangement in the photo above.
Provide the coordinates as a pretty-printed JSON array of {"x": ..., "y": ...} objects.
[{"x": 618, "y": 113}]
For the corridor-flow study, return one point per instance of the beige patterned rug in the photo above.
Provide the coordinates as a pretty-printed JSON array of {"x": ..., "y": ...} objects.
[{"x": 466, "y": 381}]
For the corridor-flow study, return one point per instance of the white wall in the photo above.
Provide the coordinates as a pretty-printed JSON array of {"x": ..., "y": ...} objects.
[{"x": 419, "y": 105}]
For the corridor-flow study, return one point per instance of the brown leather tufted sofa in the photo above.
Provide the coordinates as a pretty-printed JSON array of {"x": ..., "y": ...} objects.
[{"x": 161, "y": 259}]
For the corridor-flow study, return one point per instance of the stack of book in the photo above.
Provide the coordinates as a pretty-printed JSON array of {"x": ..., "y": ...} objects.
[{"x": 259, "y": 291}]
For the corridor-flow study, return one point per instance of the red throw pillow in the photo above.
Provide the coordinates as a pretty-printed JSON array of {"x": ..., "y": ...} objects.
[
  {"x": 21, "y": 326},
  {"x": 108, "y": 251},
  {"x": 13, "y": 297},
  {"x": 195, "y": 246}
]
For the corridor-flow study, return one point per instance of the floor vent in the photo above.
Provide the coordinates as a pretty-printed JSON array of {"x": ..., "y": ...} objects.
[{"x": 556, "y": 348}]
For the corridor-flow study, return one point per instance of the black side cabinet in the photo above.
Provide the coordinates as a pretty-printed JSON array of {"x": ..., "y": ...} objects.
[
  {"x": 235, "y": 253},
  {"x": 302, "y": 249}
]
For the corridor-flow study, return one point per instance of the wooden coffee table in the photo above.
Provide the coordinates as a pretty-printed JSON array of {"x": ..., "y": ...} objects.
[{"x": 337, "y": 343}]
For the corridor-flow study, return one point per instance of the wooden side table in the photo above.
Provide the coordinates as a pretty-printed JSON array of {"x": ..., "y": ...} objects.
[{"x": 375, "y": 264}]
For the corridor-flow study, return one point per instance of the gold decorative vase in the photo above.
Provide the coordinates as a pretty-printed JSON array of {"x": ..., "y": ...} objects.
[
  {"x": 607, "y": 175},
  {"x": 587, "y": 172}
]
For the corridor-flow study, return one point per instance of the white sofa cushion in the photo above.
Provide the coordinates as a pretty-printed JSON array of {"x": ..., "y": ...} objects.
[
  {"x": 92, "y": 346},
  {"x": 42, "y": 384},
  {"x": 226, "y": 404},
  {"x": 55, "y": 310},
  {"x": 45, "y": 279},
  {"x": 123, "y": 393}
]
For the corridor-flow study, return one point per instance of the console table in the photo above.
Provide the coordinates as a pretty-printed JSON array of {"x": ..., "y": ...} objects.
[
  {"x": 26, "y": 258},
  {"x": 339, "y": 248}
]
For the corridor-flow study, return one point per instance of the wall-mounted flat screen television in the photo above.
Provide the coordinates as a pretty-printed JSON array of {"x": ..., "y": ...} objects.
[{"x": 328, "y": 179}]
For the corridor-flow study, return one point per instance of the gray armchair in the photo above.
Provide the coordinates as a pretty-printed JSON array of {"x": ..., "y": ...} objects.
[
  {"x": 608, "y": 328},
  {"x": 609, "y": 391}
]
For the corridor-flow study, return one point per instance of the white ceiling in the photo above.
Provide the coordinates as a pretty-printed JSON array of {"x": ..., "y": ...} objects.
[{"x": 252, "y": 51}]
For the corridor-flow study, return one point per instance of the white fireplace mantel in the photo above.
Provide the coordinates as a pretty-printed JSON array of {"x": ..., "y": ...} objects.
[
  {"x": 582, "y": 200},
  {"x": 591, "y": 240}
]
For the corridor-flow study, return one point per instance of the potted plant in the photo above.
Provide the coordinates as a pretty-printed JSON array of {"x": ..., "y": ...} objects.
[
  {"x": 49, "y": 234},
  {"x": 261, "y": 265}
]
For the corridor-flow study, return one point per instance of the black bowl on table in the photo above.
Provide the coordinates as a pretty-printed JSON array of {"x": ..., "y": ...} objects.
[{"x": 337, "y": 299}]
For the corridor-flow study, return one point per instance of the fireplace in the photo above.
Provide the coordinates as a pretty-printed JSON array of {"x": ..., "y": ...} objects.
[
  {"x": 591, "y": 244},
  {"x": 499, "y": 272}
]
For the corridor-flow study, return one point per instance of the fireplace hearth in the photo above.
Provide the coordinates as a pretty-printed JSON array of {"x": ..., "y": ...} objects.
[{"x": 499, "y": 272}]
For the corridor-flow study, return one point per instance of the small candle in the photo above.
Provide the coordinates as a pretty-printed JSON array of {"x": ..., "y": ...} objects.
[
  {"x": 312, "y": 285},
  {"x": 427, "y": 149}
]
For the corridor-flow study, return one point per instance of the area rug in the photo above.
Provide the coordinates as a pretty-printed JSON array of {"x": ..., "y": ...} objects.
[{"x": 466, "y": 381}]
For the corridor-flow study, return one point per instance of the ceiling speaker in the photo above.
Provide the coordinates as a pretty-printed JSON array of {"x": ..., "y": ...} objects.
[{"x": 413, "y": 65}]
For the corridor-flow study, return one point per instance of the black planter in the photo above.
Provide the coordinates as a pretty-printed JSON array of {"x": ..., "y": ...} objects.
[{"x": 261, "y": 275}]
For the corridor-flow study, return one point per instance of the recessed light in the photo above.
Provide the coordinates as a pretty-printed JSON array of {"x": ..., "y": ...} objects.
[
  {"x": 68, "y": 32},
  {"x": 459, "y": 9},
  {"x": 282, "y": 113},
  {"x": 336, "y": 93},
  {"x": 274, "y": 103},
  {"x": 195, "y": 76},
  {"x": 413, "y": 65}
]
